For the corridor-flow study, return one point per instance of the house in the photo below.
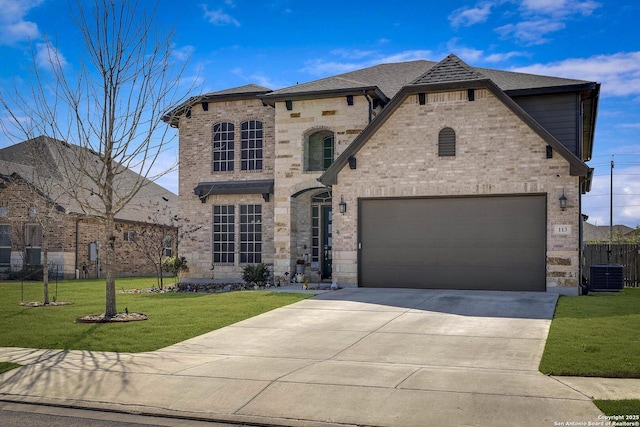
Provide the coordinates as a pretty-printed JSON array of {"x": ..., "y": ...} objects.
[
  {"x": 36, "y": 215},
  {"x": 415, "y": 174},
  {"x": 602, "y": 233}
]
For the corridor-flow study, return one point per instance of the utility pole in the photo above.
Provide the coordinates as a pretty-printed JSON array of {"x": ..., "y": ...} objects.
[{"x": 610, "y": 213}]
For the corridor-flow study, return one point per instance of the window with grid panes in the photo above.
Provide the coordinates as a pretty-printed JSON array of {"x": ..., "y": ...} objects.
[
  {"x": 33, "y": 240},
  {"x": 168, "y": 246},
  {"x": 223, "y": 135},
  {"x": 5, "y": 244},
  {"x": 223, "y": 233},
  {"x": 251, "y": 145},
  {"x": 250, "y": 234}
]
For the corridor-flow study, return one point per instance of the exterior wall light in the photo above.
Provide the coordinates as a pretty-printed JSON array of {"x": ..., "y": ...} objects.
[
  {"x": 352, "y": 162},
  {"x": 563, "y": 202},
  {"x": 342, "y": 205}
]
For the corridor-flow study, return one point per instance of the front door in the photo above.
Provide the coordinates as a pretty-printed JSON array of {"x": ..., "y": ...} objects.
[{"x": 327, "y": 241}]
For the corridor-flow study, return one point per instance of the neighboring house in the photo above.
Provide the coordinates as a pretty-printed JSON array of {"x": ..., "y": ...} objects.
[
  {"x": 602, "y": 233},
  {"x": 414, "y": 174},
  {"x": 36, "y": 215}
]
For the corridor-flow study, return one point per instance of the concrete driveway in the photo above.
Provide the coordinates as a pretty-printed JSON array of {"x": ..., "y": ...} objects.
[{"x": 379, "y": 357}]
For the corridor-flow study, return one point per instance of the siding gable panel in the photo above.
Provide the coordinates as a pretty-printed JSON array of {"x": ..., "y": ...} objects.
[{"x": 558, "y": 114}]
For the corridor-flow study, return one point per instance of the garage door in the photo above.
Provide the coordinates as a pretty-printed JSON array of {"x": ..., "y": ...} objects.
[{"x": 495, "y": 243}]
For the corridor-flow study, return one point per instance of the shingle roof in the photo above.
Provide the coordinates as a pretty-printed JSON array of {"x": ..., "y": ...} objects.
[
  {"x": 450, "y": 73},
  {"x": 450, "y": 69},
  {"x": 389, "y": 78},
  {"x": 250, "y": 88},
  {"x": 240, "y": 92},
  {"x": 49, "y": 164}
]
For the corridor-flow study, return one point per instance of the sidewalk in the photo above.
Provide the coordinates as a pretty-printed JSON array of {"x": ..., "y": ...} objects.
[{"x": 351, "y": 357}]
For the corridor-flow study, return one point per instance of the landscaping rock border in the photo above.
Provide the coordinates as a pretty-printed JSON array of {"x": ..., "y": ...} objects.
[
  {"x": 118, "y": 318},
  {"x": 41, "y": 304}
]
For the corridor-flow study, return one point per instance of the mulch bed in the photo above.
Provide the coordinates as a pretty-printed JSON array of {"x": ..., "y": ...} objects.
[
  {"x": 118, "y": 318},
  {"x": 41, "y": 304}
]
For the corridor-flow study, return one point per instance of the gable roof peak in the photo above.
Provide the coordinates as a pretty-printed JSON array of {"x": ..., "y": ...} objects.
[{"x": 450, "y": 69}]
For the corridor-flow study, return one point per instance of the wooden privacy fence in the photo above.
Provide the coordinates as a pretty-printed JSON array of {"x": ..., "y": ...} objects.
[{"x": 625, "y": 254}]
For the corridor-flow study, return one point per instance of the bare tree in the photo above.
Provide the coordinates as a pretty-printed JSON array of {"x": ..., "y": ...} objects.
[
  {"x": 161, "y": 238},
  {"x": 37, "y": 221},
  {"x": 109, "y": 109}
]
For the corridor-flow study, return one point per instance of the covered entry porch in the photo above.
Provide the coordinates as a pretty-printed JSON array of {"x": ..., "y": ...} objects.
[{"x": 312, "y": 234}]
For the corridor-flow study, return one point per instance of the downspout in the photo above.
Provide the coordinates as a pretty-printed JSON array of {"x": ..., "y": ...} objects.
[{"x": 364, "y": 92}]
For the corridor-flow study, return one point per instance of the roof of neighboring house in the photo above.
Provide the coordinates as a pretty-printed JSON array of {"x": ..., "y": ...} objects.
[
  {"x": 601, "y": 233},
  {"x": 450, "y": 74},
  {"x": 43, "y": 163}
]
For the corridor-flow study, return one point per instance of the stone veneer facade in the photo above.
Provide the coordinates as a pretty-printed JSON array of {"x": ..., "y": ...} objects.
[
  {"x": 496, "y": 154},
  {"x": 196, "y": 160}
]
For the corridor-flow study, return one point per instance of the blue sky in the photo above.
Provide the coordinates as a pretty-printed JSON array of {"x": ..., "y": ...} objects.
[{"x": 280, "y": 43}]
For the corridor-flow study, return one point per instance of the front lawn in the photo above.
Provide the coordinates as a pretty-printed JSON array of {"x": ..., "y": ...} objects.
[
  {"x": 597, "y": 335},
  {"x": 630, "y": 408},
  {"x": 7, "y": 366},
  {"x": 173, "y": 317}
]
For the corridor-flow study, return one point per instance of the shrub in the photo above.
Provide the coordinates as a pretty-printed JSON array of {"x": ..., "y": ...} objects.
[
  {"x": 175, "y": 265},
  {"x": 257, "y": 274}
]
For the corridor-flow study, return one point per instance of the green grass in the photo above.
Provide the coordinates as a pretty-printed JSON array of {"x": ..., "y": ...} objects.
[
  {"x": 595, "y": 336},
  {"x": 173, "y": 317},
  {"x": 7, "y": 366},
  {"x": 620, "y": 407}
]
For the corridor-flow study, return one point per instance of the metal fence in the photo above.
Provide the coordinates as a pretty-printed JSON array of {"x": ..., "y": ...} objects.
[{"x": 625, "y": 254}]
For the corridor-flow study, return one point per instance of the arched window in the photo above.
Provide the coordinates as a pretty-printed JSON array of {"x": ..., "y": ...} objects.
[
  {"x": 320, "y": 151},
  {"x": 223, "y": 135},
  {"x": 447, "y": 143},
  {"x": 251, "y": 145}
]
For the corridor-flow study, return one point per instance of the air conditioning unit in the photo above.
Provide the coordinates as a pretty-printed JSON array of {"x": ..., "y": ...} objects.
[{"x": 606, "y": 278}]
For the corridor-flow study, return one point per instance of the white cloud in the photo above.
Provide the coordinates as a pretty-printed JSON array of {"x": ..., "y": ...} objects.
[
  {"x": 619, "y": 73},
  {"x": 501, "y": 57},
  {"x": 560, "y": 8},
  {"x": 626, "y": 197},
  {"x": 467, "y": 16},
  {"x": 183, "y": 53},
  {"x": 531, "y": 32},
  {"x": 47, "y": 56},
  {"x": 530, "y": 22},
  {"x": 219, "y": 17},
  {"x": 13, "y": 26},
  {"x": 321, "y": 67},
  {"x": 258, "y": 78}
]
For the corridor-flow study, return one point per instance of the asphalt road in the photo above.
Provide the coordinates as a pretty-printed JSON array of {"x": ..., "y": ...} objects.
[{"x": 21, "y": 415}]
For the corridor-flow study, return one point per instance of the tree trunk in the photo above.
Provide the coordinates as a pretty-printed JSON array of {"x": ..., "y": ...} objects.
[
  {"x": 45, "y": 273},
  {"x": 109, "y": 268}
]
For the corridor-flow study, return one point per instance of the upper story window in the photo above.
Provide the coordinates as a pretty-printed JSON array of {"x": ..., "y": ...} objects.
[
  {"x": 223, "y": 135},
  {"x": 320, "y": 151},
  {"x": 447, "y": 143},
  {"x": 129, "y": 236},
  {"x": 251, "y": 145}
]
